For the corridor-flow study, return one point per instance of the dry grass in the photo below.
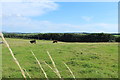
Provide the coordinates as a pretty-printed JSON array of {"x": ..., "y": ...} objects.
[
  {"x": 40, "y": 65},
  {"x": 27, "y": 73},
  {"x": 56, "y": 70},
  {"x": 50, "y": 67},
  {"x": 69, "y": 70},
  {"x": 11, "y": 52}
]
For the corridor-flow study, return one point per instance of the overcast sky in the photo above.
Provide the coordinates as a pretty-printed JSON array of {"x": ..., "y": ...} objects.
[{"x": 60, "y": 17}]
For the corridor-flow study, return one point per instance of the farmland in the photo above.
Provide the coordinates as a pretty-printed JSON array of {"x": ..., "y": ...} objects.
[{"x": 86, "y": 60}]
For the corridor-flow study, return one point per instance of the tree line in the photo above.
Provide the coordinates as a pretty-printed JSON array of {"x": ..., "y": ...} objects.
[{"x": 67, "y": 37}]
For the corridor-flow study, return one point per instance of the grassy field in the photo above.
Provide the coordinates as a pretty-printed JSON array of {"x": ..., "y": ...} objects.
[{"x": 86, "y": 60}]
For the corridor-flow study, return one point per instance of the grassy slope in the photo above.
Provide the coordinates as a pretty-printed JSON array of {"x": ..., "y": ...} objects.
[{"x": 98, "y": 60}]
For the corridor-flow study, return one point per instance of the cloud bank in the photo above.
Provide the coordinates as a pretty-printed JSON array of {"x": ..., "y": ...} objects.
[
  {"x": 17, "y": 17},
  {"x": 27, "y": 8},
  {"x": 22, "y": 24},
  {"x": 60, "y": 0}
]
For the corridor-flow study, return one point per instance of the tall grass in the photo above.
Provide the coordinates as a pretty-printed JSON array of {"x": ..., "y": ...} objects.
[
  {"x": 40, "y": 65},
  {"x": 11, "y": 52},
  {"x": 56, "y": 70},
  {"x": 27, "y": 73},
  {"x": 50, "y": 67},
  {"x": 69, "y": 70}
]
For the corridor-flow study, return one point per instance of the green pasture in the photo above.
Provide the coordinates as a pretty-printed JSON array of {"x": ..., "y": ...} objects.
[{"x": 86, "y": 60}]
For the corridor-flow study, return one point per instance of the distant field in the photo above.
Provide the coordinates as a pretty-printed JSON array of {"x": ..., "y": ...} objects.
[
  {"x": 86, "y": 60},
  {"x": 117, "y": 35}
]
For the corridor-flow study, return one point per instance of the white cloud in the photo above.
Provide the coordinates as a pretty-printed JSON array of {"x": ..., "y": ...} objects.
[
  {"x": 27, "y": 8},
  {"x": 87, "y": 18},
  {"x": 24, "y": 24},
  {"x": 16, "y": 18},
  {"x": 27, "y": 0},
  {"x": 61, "y": 0},
  {"x": 98, "y": 27}
]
